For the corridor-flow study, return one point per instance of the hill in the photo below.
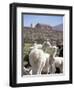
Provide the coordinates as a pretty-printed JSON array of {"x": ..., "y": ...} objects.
[
  {"x": 58, "y": 27},
  {"x": 41, "y": 33}
]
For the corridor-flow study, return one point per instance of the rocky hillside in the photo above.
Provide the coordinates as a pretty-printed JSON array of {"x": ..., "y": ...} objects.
[
  {"x": 58, "y": 27},
  {"x": 41, "y": 33}
]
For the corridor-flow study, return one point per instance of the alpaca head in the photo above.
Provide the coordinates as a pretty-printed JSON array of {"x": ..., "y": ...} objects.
[
  {"x": 46, "y": 45},
  {"x": 55, "y": 47},
  {"x": 55, "y": 50}
]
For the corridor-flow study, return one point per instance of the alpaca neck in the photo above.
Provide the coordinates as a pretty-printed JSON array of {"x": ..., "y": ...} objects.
[
  {"x": 55, "y": 53},
  {"x": 44, "y": 49}
]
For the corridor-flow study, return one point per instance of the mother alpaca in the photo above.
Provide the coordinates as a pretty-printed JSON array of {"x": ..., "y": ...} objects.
[{"x": 39, "y": 60}]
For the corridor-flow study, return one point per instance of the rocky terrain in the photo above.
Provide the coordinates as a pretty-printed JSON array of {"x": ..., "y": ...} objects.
[{"x": 41, "y": 32}]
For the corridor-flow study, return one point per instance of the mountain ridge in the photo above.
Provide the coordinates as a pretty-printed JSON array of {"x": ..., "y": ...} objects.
[{"x": 58, "y": 27}]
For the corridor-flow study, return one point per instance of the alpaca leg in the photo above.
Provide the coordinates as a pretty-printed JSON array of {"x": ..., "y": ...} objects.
[
  {"x": 52, "y": 68},
  {"x": 40, "y": 68},
  {"x": 47, "y": 66},
  {"x": 61, "y": 67},
  {"x": 34, "y": 71},
  {"x": 47, "y": 70}
]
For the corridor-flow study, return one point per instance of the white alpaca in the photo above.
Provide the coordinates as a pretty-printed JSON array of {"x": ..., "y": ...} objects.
[
  {"x": 58, "y": 61},
  {"x": 39, "y": 60}
]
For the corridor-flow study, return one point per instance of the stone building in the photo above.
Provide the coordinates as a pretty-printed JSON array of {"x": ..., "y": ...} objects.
[{"x": 43, "y": 26}]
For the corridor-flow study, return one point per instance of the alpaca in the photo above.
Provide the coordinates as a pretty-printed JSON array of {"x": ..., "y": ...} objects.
[
  {"x": 39, "y": 60},
  {"x": 58, "y": 61}
]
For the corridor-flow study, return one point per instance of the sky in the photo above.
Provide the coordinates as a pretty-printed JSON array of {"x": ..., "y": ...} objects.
[{"x": 51, "y": 20}]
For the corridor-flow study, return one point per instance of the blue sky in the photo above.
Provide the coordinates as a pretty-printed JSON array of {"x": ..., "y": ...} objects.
[{"x": 52, "y": 20}]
